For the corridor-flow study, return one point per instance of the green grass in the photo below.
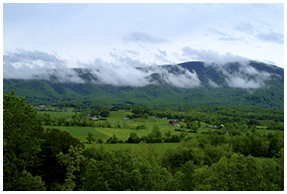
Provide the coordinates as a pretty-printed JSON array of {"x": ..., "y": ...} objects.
[
  {"x": 159, "y": 148},
  {"x": 55, "y": 114},
  {"x": 80, "y": 132},
  {"x": 123, "y": 134}
]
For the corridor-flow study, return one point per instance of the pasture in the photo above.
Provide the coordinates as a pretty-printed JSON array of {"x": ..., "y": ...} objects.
[
  {"x": 116, "y": 117},
  {"x": 157, "y": 148},
  {"x": 123, "y": 133}
]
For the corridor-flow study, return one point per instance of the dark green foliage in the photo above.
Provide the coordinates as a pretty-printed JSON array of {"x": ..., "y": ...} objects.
[
  {"x": 47, "y": 164},
  {"x": 20, "y": 148},
  {"x": 207, "y": 161},
  {"x": 113, "y": 139},
  {"x": 119, "y": 171},
  {"x": 142, "y": 126},
  {"x": 155, "y": 136},
  {"x": 184, "y": 177},
  {"x": 90, "y": 137},
  {"x": 173, "y": 159},
  {"x": 134, "y": 138},
  {"x": 276, "y": 144},
  {"x": 238, "y": 173}
]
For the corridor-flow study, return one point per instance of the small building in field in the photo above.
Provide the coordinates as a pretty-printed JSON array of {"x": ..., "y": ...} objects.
[
  {"x": 126, "y": 118},
  {"x": 93, "y": 119}
]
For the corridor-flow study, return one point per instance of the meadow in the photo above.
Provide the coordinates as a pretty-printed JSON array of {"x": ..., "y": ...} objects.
[{"x": 116, "y": 118}]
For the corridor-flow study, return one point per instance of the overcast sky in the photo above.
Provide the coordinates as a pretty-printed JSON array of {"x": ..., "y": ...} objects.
[{"x": 78, "y": 35}]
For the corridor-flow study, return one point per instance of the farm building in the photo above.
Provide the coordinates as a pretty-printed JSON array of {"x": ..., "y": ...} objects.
[{"x": 93, "y": 119}]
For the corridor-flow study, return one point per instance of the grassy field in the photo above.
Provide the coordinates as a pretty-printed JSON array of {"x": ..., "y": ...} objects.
[
  {"x": 57, "y": 114},
  {"x": 80, "y": 132},
  {"x": 158, "y": 148},
  {"x": 123, "y": 134}
]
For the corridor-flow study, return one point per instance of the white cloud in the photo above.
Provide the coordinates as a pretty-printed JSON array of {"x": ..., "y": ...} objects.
[
  {"x": 212, "y": 83},
  {"x": 144, "y": 38},
  {"x": 130, "y": 75},
  {"x": 271, "y": 37},
  {"x": 239, "y": 82},
  {"x": 244, "y": 77},
  {"x": 128, "y": 71},
  {"x": 35, "y": 64},
  {"x": 210, "y": 56}
]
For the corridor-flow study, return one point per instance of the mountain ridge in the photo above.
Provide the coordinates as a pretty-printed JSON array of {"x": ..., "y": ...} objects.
[{"x": 189, "y": 83}]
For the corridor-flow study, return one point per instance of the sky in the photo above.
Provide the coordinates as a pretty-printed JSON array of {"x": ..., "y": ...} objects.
[
  {"x": 120, "y": 36},
  {"x": 142, "y": 34}
]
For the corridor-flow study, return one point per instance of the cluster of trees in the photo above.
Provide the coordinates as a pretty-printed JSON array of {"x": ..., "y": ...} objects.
[
  {"x": 154, "y": 137},
  {"x": 38, "y": 159},
  {"x": 35, "y": 159},
  {"x": 75, "y": 120},
  {"x": 257, "y": 146},
  {"x": 239, "y": 117}
]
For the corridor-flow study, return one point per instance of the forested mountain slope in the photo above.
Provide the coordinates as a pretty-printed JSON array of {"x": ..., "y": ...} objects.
[{"x": 185, "y": 84}]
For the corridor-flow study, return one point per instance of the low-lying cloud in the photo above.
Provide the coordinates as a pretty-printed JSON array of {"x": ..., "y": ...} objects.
[
  {"x": 37, "y": 65},
  {"x": 245, "y": 76},
  {"x": 129, "y": 75},
  {"x": 131, "y": 72}
]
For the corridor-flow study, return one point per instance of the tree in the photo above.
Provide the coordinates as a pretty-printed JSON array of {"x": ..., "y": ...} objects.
[
  {"x": 134, "y": 138},
  {"x": 155, "y": 136},
  {"x": 239, "y": 173},
  {"x": 71, "y": 161},
  {"x": 105, "y": 112},
  {"x": 113, "y": 139},
  {"x": 100, "y": 141},
  {"x": 276, "y": 143},
  {"x": 185, "y": 177},
  {"x": 47, "y": 164},
  {"x": 173, "y": 159},
  {"x": 121, "y": 171},
  {"x": 167, "y": 136},
  {"x": 215, "y": 153},
  {"x": 273, "y": 172},
  {"x": 90, "y": 137},
  {"x": 198, "y": 124},
  {"x": 145, "y": 116},
  {"x": 20, "y": 148}
]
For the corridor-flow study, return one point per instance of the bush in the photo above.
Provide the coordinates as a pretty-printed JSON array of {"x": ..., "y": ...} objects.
[
  {"x": 143, "y": 126},
  {"x": 155, "y": 136},
  {"x": 113, "y": 139}
]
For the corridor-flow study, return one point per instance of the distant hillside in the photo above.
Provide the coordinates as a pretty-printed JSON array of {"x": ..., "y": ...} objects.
[{"x": 190, "y": 83}]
